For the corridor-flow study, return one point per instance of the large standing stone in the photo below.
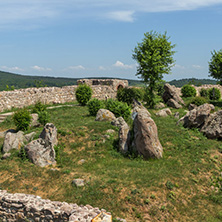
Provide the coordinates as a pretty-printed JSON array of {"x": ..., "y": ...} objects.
[
  {"x": 41, "y": 151},
  {"x": 170, "y": 92},
  {"x": 146, "y": 139},
  {"x": 173, "y": 103},
  {"x": 105, "y": 115},
  {"x": 213, "y": 126},
  {"x": 124, "y": 137},
  {"x": 197, "y": 117},
  {"x": 13, "y": 140}
]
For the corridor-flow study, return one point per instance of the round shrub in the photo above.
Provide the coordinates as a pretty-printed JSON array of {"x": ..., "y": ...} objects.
[
  {"x": 94, "y": 105},
  {"x": 214, "y": 94},
  {"x": 188, "y": 91},
  {"x": 204, "y": 93},
  {"x": 38, "y": 107},
  {"x": 44, "y": 117},
  {"x": 128, "y": 94},
  {"x": 118, "y": 108},
  {"x": 83, "y": 94},
  {"x": 198, "y": 100},
  {"x": 22, "y": 119}
]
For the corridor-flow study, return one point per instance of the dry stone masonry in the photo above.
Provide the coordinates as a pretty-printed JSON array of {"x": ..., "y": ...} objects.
[
  {"x": 23, "y": 207},
  {"x": 102, "y": 89}
]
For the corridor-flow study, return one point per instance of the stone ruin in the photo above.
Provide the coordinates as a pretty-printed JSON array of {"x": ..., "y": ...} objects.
[{"x": 102, "y": 89}]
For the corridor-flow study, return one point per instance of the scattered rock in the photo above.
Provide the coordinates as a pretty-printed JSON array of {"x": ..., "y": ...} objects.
[
  {"x": 124, "y": 137},
  {"x": 159, "y": 106},
  {"x": 78, "y": 182},
  {"x": 13, "y": 141},
  {"x": 118, "y": 122},
  {"x": 41, "y": 151},
  {"x": 102, "y": 217},
  {"x": 164, "y": 112},
  {"x": 137, "y": 106},
  {"x": 34, "y": 120},
  {"x": 177, "y": 115},
  {"x": 80, "y": 162},
  {"x": 171, "y": 92},
  {"x": 105, "y": 115},
  {"x": 196, "y": 118},
  {"x": 30, "y": 136},
  {"x": 146, "y": 136},
  {"x": 212, "y": 127},
  {"x": 110, "y": 131},
  {"x": 6, "y": 156},
  {"x": 173, "y": 103}
]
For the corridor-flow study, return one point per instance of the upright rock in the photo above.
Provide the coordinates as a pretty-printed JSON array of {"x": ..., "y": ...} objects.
[
  {"x": 41, "y": 151},
  {"x": 171, "y": 96},
  {"x": 212, "y": 128},
  {"x": 197, "y": 117},
  {"x": 146, "y": 139},
  {"x": 124, "y": 137}
]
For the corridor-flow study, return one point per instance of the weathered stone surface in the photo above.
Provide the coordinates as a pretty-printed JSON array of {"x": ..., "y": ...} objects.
[
  {"x": 196, "y": 118},
  {"x": 173, "y": 103},
  {"x": 159, "y": 106},
  {"x": 34, "y": 120},
  {"x": 105, "y": 115},
  {"x": 164, "y": 112},
  {"x": 192, "y": 106},
  {"x": 146, "y": 136},
  {"x": 49, "y": 134},
  {"x": 6, "y": 156},
  {"x": 41, "y": 151},
  {"x": 118, "y": 122},
  {"x": 30, "y": 136},
  {"x": 212, "y": 127},
  {"x": 171, "y": 92},
  {"x": 177, "y": 115},
  {"x": 102, "y": 217},
  {"x": 24, "y": 207},
  {"x": 78, "y": 182},
  {"x": 13, "y": 141},
  {"x": 124, "y": 137}
]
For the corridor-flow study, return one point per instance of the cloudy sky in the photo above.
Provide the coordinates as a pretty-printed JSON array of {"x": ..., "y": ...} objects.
[{"x": 95, "y": 38}]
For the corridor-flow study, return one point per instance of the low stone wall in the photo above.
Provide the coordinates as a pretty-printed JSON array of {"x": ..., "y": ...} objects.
[
  {"x": 198, "y": 88},
  {"x": 23, "y": 207},
  {"x": 49, "y": 95}
]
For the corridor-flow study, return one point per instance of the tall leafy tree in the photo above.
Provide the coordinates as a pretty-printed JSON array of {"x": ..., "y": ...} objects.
[
  {"x": 215, "y": 65},
  {"x": 155, "y": 58}
]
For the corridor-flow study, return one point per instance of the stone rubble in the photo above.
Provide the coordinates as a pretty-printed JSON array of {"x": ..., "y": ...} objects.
[{"x": 24, "y": 207}]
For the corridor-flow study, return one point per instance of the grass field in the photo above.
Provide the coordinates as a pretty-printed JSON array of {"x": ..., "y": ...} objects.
[{"x": 185, "y": 185}]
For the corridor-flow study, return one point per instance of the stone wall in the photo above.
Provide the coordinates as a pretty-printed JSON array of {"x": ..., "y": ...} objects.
[
  {"x": 23, "y": 207},
  {"x": 102, "y": 89}
]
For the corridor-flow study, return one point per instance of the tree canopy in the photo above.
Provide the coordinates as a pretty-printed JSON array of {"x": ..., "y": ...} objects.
[
  {"x": 155, "y": 58},
  {"x": 215, "y": 65}
]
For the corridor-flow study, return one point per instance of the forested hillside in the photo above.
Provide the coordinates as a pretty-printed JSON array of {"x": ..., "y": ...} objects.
[{"x": 193, "y": 81}]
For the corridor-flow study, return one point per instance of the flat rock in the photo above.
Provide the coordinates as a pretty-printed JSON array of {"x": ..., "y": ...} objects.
[
  {"x": 105, "y": 115},
  {"x": 78, "y": 182}
]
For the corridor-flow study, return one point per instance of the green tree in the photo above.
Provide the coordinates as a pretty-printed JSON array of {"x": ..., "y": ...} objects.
[
  {"x": 155, "y": 58},
  {"x": 215, "y": 65}
]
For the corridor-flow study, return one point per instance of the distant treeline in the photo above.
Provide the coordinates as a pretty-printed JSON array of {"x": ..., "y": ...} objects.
[
  {"x": 193, "y": 81},
  {"x": 10, "y": 81}
]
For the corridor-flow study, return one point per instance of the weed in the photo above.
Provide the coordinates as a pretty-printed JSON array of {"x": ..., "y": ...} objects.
[{"x": 169, "y": 185}]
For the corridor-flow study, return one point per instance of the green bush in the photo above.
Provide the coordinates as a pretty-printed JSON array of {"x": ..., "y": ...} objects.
[
  {"x": 214, "y": 94},
  {"x": 38, "y": 107},
  {"x": 118, "y": 108},
  {"x": 128, "y": 94},
  {"x": 44, "y": 117},
  {"x": 198, "y": 100},
  {"x": 188, "y": 91},
  {"x": 94, "y": 105},
  {"x": 204, "y": 93},
  {"x": 22, "y": 119},
  {"x": 83, "y": 94}
]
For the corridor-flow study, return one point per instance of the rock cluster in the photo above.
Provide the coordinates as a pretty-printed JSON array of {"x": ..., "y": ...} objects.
[
  {"x": 23, "y": 207},
  {"x": 171, "y": 96}
]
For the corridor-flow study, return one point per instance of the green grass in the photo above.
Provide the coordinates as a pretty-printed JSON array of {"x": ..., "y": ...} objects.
[{"x": 185, "y": 185}]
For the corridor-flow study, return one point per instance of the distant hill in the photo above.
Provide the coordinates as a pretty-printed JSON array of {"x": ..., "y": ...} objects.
[
  {"x": 11, "y": 80},
  {"x": 193, "y": 81}
]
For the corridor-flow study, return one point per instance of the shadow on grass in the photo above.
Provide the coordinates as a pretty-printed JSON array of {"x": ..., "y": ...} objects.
[{"x": 217, "y": 103}]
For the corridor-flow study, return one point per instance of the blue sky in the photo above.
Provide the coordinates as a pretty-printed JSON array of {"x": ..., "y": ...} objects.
[{"x": 95, "y": 38}]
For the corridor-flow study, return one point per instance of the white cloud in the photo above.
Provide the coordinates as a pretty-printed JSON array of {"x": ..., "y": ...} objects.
[
  {"x": 177, "y": 66},
  {"x": 40, "y": 12},
  {"x": 79, "y": 67},
  {"x": 121, "y": 65},
  {"x": 38, "y": 68},
  {"x": 197, "y": 67},
  {"x": 102, "y": 68},
  {"x": 123, "y": 16},
  {"x": 12, "y": 69}
]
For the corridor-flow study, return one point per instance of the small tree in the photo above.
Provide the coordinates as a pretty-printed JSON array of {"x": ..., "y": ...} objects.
[
  {"x": 154, "y": 55},
  {"x": 215, "y": 65}
]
